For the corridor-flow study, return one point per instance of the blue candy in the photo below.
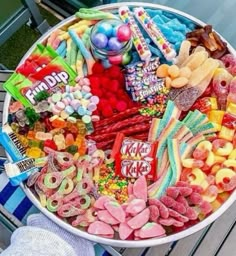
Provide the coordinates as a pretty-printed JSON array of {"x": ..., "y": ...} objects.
[
  {"x": 158, "y": 20},
  {"x": 176, "y": 25},
  {"x": 152, "y": 13}
]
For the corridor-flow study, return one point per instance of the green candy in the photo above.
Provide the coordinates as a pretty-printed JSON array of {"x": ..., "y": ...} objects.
[
  {"x": 72, "y": 149},
  {"x": 43, "y": 95},
  {"x": 32, "y": 116}
]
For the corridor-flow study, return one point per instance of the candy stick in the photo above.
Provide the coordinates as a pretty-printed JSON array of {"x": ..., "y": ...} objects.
[
  {"x": 155, "y": 34},
  {"x": 85, "y": 52},
  {"x": 54, "y": 39},
  {"x": 183, "y": 131},
  {"x": 175, "y": 160},
  {"x": 171, "y": 111},
  {"x": 83, "y": 22},
  {"x": 173, "y": 126},
  {"x": 86, "y": 37},
  {"x": 159, "y": 187},
  {"x": 124, "y": 123},
  {"x": 183, "y": 52},
  {"x": 92, "y": 14},
  {"x": 117, "y": 117},
  {"x": 78, "y": 30},
  {"x": 73, "y": 55},
  {"x": 68, "y": 50},
  {"x": 62, "y": 47},
  {"x": 154, "y": 127},
  {"x": 204, "y": 129},
  {"x": 138, "y": 39},
  {"x": 79, "y": 64}
]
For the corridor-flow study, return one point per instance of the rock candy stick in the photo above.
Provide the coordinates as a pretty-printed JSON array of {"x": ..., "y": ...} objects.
[
  {"x": 155, "y": 34},
  {"x": 138, "y": 39}
]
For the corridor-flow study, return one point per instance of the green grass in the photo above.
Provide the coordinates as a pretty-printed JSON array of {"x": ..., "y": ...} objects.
[{"x": 15, "y": 47}]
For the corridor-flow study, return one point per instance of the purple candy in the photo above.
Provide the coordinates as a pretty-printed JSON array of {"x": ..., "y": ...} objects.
[
  {"x": 100, "y": 40},
  {"x": 114, "y": 44}
]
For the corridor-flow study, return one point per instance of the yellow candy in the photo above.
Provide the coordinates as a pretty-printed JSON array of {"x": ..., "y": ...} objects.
[
  {"x": 216, "y": 117},
  {"x": 199, "y": 178},
  {"x": 162, "y": 70},
  {"x": 179, "y": 82},
  {"x": 185, "y": 72},
  {"x": 230, "y": 163},
  {"x": 226, "y": 133},
  {"x": 232, "y": 155},
  {"x": 173, "y": 71},
  {"x": 231, "y": 108},
  {"x": 34, "y": 152}
]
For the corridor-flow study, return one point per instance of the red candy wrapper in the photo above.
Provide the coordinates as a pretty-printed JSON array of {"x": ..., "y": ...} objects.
[{"x": 134, "y": 158}]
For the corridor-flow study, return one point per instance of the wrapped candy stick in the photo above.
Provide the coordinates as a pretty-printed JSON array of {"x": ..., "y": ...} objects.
[
  {"x": 84, "y": 51},
  {"x": 154, "y": 32},
  {"x": 138, "y": 39}
]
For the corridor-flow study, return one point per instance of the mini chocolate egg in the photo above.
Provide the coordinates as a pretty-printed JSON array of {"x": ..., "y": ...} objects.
[
  {"x": 123, "y": 33},
  {"x": 105, "y": 28},
  {"x": 100, "y": 40},
  {"x": 114, "y": 44}
]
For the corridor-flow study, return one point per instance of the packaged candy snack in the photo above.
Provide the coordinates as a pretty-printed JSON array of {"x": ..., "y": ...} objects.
[
  {"x": 134, "y": 158},
  {"x": 50, "y": 78}
]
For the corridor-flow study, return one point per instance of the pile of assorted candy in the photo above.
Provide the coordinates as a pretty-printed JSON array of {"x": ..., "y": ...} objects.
[{"x": 123, "y": 125}]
